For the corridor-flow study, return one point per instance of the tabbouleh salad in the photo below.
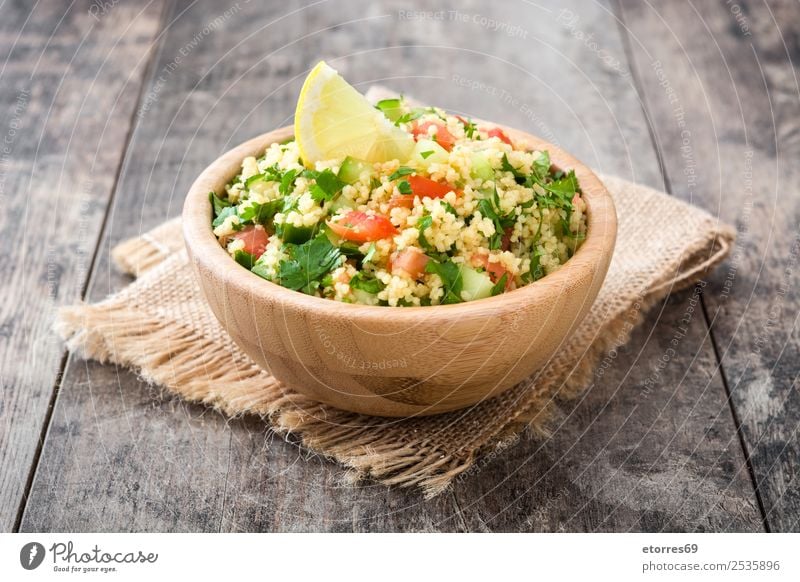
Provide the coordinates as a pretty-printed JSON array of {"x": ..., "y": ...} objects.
[{"x": 466, "y": 217}]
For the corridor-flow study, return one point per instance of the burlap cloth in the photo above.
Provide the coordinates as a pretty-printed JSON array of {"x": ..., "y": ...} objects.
[{"x": 161, "y": 327}]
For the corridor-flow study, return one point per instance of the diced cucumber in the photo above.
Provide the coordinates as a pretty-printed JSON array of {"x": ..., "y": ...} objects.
[
  {"x": 364, "y": 297},
  {"x": 351, "y": 169},
  {"x": 421, "y": 154},
  {"x": 475, "y": 285},
  {"x": 342, "y": 202},
  {"x": 290, "y": 233},
  {"x": 481, "y": 168}
]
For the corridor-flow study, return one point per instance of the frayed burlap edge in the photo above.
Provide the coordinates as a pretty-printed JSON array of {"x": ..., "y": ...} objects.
[{"x": 111, "y": 332}]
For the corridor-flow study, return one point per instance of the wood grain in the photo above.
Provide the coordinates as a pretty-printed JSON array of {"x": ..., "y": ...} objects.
[
  {"x": 734, "y": 81},
  {"x": 69, "y": 87},
  {"x": 118, "y": 458}
]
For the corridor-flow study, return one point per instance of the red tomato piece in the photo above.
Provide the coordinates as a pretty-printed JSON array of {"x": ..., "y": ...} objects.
[
  {"x": 421, "y": 187},
  {"x": 361, "y": 227},
  {"x": 443, "y": 137},
  {"x": 255, "y": 239},
  {"x": 426, "y": 187},
  {"x": 410, "y": 260},
  {"x": 495, "y": 270},
  {"x": 499, "y": 133}
]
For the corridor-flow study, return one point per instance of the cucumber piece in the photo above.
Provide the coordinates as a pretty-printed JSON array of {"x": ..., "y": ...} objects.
[
  {"x": 297, "y": 235},
  {"x": 342, "y": 202},
  {"x": 351, "y": 169},
  {"x": 423, "y": 146},
  {"x": 481, "y": 168},
  {"x": 364, "y": 297},
  {"x": 475, "y": 285}
]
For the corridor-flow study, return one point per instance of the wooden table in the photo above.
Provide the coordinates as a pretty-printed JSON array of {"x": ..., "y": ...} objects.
[{"x": 111, "y": 110}]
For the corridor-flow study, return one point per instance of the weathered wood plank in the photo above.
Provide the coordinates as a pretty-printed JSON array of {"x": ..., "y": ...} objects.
[
  {"x": 115, "y": 458},
  {"x": 665, "y": 461},
  {"x": 69, "y": 86},
  {"x": 177, "y": 468},
  {"x": 727, "y": 81}
]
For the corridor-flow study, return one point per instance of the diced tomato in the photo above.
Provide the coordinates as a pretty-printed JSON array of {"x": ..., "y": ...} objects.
[
  {"x": 499, "y": 133},
  {"x": 410, "y": 260},
  {"x": 443, "y": 137},
  {"x": 421, "y": 187},
  {"x": 426, "y": 187},
  {"x": 255, "y": 239},
  {"x": 361, "y": 227},
  {"x": 403, "y": 201},
  {"x": 495, "y": 270}
]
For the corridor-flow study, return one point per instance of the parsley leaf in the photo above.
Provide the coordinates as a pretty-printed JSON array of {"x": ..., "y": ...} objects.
[
  {"x": 260, "y": 213},
  {"x": 226, "y": 212},
  {"x": 391, "y": 108},
  {"x": 450, "y": 275},
  {"x": 423, "y": 223},
  {"x": 218, "y": 204},
  {"x": 426, "y": 154},
  {"x": 287, "y": 181},
  {"x": 506, "y": 166},
  {"x": 404, "y": 187},
  {"x": 327, "y": 186},
  {"x": 366, "y": 283},
  {"x": 370, "y": 253},
  {"x": 541, "y": 165},
  {"x": 307, "y": 264},
  {"x": 500, "y": 286},
  {"x": 400, "y": 172}
]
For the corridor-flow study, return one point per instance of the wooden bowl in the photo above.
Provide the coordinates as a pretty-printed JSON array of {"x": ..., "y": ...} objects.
[{"x": 397, "y": 361}]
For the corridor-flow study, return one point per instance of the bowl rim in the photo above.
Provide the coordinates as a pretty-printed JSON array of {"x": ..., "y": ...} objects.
[{"x": 204, "y": 247}]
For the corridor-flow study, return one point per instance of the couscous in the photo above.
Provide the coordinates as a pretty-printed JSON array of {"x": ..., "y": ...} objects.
[{"x": 467, "y": 216}]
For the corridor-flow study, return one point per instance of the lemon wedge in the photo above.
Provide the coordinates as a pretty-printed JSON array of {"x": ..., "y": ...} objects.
[{"x": 333, "y": 121}]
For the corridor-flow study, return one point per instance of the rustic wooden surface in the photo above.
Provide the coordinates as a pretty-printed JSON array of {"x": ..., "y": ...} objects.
[{"x": 124, "y": 111}]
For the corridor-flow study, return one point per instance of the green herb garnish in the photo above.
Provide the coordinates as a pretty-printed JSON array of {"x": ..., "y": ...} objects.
[
  {"x": 400, "y": 172},
  {"x": 404, "y": 187},
  {"x": 450, "y": 275},
  {"x": 307, "y": 264}
]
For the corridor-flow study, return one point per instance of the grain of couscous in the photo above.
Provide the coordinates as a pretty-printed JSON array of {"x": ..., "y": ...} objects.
[{"x": 468, "y": 216}]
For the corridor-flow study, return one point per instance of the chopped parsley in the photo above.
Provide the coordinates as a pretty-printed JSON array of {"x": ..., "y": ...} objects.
[
  {"x": 404, "y": 187},
  {"x": 400, "y": 172},
  {"x": 366, "y": 283},
  {"x": 450, "y": 275},
  {"x": 326, "y": 186},
  {"x": 426, "y": 154},
  {"x": 307, "y": 264}
]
